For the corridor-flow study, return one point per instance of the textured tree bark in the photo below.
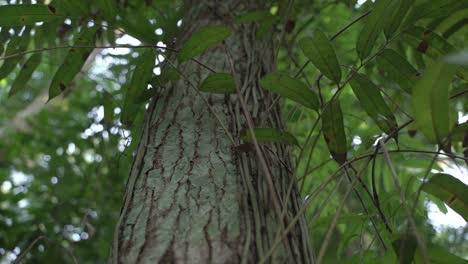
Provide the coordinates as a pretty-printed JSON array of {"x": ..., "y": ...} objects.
[{"x": 192, "y": 196}]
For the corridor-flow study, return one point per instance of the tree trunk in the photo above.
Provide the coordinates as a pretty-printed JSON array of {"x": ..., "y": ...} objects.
[{"x": 192, "y": 195}]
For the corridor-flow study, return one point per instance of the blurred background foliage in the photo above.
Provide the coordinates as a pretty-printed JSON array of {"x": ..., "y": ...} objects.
[{"x": 64, "y": 164}]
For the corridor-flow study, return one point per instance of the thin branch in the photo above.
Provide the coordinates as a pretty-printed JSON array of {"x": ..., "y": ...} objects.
[
  {"x": 86, "y": 47},
  {"x": 404, "y": 203}
]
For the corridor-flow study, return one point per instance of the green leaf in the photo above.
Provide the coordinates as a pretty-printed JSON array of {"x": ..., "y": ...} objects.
[
  {"x": 439, "y": 8},
  {"x": 218, "y": 83},
  {"x": 398, "y": 69},
  {"x": 26, "y": 14},
  {"x": 374, "y": 24},
  {"x": 73, "y": 62},
  {"x": 333, "y": 131},
  {"x": 398, "y": 10},
  {"x": 141, "y": 76},
  {"x": 108, "y": 108},
  {"x": 129, "y": 109},
  {"x": 108, "y": 9},
  {"x": 450, "y": 190},
  {"x": 71, "y": 8},
  {"x": 203, "y": 40},
  {"x": 25, "y": 74},
  {"x": 430, "y": 102},
  {"x": 373, "y": 103},
  {"x": 405, "y": 248},
  {"x": 272, "y": 135},
  {"x": 16, "y": 45},
  {"x": 459, "y": 58},
  {"x": 136, "y": 90},
  {"x": 453, "y": 23},
  {"x": 255, "y": 16},
  {"x": 139, "y": 27},
  {"x": 429, "y": 43},
  {"x": 290, "y": 88},
  {"x": 319, "y": 50},
  {"x": 439, "y": 255},
  {"x": 167, "y": 74}
]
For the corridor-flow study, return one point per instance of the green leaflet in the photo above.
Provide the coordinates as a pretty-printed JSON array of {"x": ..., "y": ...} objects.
[
  {"x": 167, "y": 74},
  {"x": 450, "y": 190},
  {"x": 141, "y": 76},
  {"x": 398, "y": 69},
  {"x": 333, "y": 131},
  {"x": 430, "y": 101},
  {"x": 459, "y": 58},
  {"x": 139, "y": 27},
  {"x": 373, "y": 103},
  {"x": 290, "y": 88},
  {"x": 107, "y": 8},
  {"x": 25, "y": 74},
  {"x": 203, "y": 40},
  {"x": 319, "y": 50},
  {"x": 439, "y": 8},
  {"x": 264, "y": 19},
  {"x": 71, "y": 8},
  {"x": 272, "y": 135},
  {"x": 73, "y": 62},
  {"x": 405, "y": 248},
  {"x": 137, "y": 88},
  {"x": 429, "y": 43},
  {"x": 398, "y": 10},
  {"x": 108, "y": 108},
  {"x": 439, "y": 255},
  {"x": 16, "y": 45},
  {"x": 25, "y": 14},
  {"x": 218, "y": 83},
  {"x": 255, "y": 16},
  {"x": 374, "y": 24}
]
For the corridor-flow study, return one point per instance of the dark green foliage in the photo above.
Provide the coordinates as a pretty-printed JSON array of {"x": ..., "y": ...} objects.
[{"x": 392, "y": 67}]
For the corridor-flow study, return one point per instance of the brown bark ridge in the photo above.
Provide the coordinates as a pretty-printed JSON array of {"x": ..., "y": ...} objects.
[{"x": 192, "y": 196}]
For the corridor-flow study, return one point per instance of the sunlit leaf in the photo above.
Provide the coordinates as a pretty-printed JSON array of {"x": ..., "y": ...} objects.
[
  {"x": 203, "y": 40},
  {"x": 25, "y": 14},
  {"x": 73, "y": 62},
  {"x": 373, "y": 103},
  {"x": 272, "y": 135},
  {"x": 398, "y": 69},
  {"x": 450, "y": 190},
  {"x": 459, "y": 58},
  {"x": 25, "y": 74},
  {"x": 290, "y": 88},
  {"x": 374, "y": 24},
  {"x": 430, "y": 102},
  {"x": 219, "y": 83},
  {"x": 333, "y": 131},
  {"x": 320, "y": 52}
]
